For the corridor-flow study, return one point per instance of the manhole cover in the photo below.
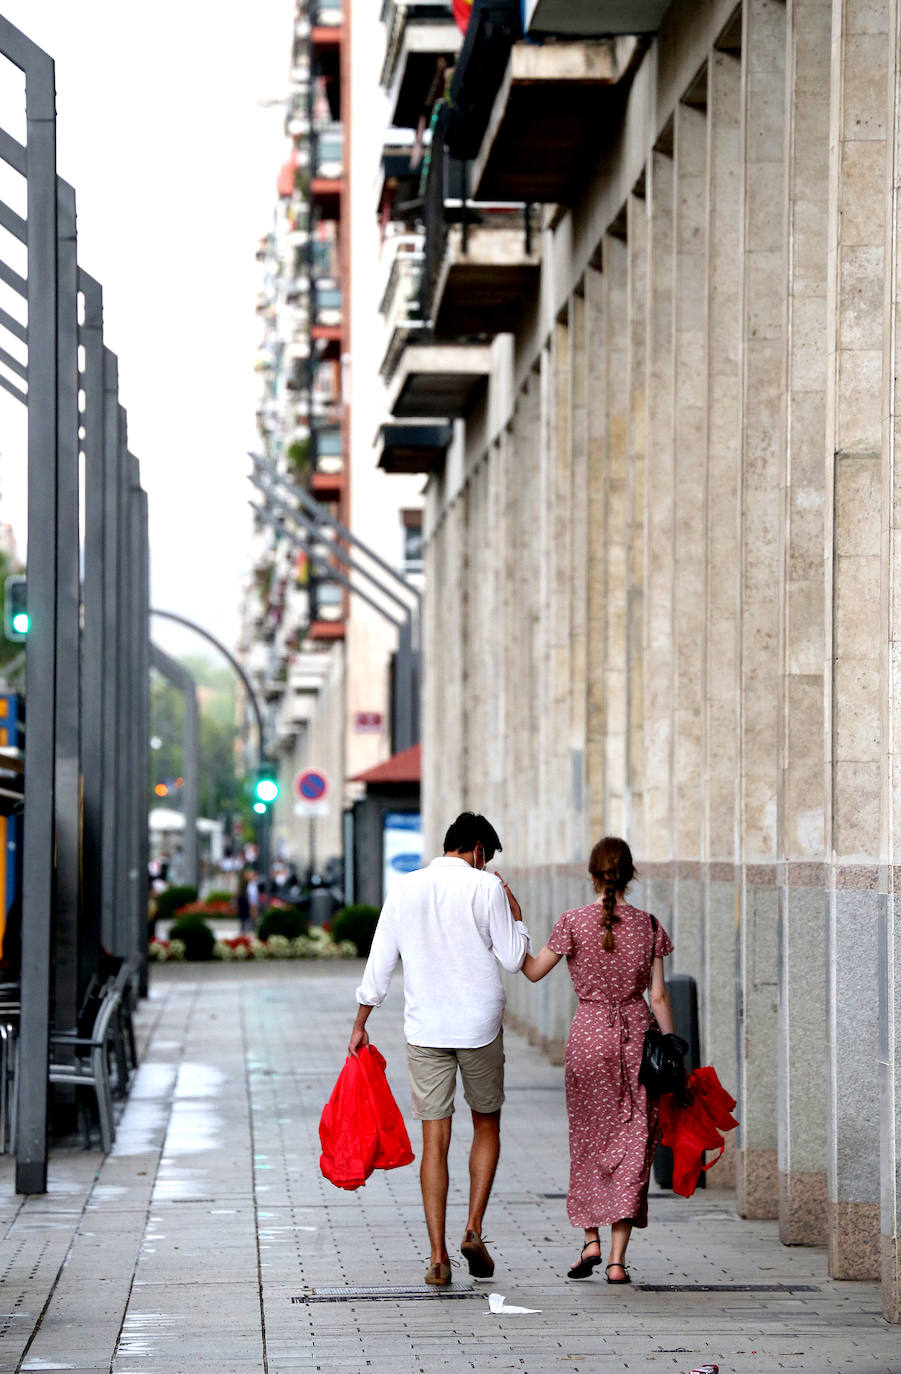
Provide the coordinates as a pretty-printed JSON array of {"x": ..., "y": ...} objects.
[
  {"x": 727, "y": 1288},
  {"x": 386, "y": 1293}
]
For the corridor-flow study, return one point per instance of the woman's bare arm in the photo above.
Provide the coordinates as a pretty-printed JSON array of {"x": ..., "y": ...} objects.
[
  {"x": 535, "y": 966},
  {"x": 660, "y": 1003}
]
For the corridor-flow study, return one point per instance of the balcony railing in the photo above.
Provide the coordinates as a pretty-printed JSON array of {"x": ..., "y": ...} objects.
[
  {"x": 446, "y": 201},
  {"x": 326, "y": 14},
  {"x": 396, "y": 15},
  {"x": 328, "y": 307},
  {"x": 328, "y": 152},
  {"x": 401, "y": 302}
]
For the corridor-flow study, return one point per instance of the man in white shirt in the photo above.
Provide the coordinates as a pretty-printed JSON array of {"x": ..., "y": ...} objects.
[{"x": 452, "y": 926}]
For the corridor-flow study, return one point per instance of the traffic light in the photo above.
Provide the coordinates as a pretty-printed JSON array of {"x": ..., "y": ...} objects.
[
  {"x": 15, "y": 608},
  {"x": 265, "y": 788}
]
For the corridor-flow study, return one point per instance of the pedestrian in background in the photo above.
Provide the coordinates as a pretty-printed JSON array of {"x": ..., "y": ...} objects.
[
  {"x": 614, "y": 953},
  {"x": 242, "y": 899},
  {"x": 452, "y": 926}
]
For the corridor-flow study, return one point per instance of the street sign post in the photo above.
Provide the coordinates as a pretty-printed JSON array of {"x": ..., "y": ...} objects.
[{"x": 311, "y": 789}]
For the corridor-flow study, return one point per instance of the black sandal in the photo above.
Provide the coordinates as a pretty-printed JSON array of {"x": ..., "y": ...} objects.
[
  {"x": 615, "y": 1264},
  {"x": 585, "y": 1267}
]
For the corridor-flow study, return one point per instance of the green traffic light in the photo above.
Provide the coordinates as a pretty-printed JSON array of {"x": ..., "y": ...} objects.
[
  {"x": 267, "y": 790},
  {"x": 16, "y": 622},
  {"x": 260, "y": 808}
]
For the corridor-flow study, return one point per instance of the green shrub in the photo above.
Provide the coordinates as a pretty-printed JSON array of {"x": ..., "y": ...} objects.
[
  {"x": 287, "y": 921},
  {"x": 196, "y": 936},
  {"x": 169, "y": 901},
  {"x": 219, "y": 894},
  {"x": 356, "y": 923}
]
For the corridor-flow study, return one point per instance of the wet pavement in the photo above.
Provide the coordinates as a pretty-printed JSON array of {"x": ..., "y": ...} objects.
[{"x": 208, "y": 1239}]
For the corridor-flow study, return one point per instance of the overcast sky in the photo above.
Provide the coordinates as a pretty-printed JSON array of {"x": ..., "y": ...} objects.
[{"x": 167, "y": 132}]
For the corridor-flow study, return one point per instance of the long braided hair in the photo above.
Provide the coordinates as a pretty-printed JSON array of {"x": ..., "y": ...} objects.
[{"x": 612, "y": 870}]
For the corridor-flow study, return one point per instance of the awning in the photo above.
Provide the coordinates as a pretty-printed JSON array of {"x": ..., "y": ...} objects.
[{"x": 403, "y": 767}]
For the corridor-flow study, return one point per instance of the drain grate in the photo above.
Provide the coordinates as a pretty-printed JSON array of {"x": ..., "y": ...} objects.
[
  {"x": 386, "y": 1293},
  {"x": 727, "y": 1288}
]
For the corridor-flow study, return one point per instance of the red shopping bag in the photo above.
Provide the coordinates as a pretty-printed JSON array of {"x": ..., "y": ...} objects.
[
  {"x": 361, "y": 1127},
  {"x": 692, "y": 1129}
]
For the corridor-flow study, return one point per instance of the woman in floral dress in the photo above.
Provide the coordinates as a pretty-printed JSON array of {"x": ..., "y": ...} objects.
[{"x": 615, "y": 953}]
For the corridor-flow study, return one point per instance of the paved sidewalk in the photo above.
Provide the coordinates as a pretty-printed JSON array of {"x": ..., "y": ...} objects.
[{"x": 199, "y": 1243}]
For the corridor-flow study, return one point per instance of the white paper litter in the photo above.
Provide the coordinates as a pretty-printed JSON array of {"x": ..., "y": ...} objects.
[{"x": 498, "y": 1303}]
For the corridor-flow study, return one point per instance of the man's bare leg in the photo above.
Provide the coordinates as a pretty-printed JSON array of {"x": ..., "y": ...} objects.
[
  {"x": 433, "y": 1179},
  {"x": 483, "y": 1158}
]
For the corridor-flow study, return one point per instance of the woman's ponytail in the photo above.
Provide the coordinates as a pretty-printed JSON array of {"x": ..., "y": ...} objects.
[{"x": 612, "y": 870}]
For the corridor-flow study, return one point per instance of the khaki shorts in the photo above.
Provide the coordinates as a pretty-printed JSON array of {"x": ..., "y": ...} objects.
[{"x": 433, "y": 1078}]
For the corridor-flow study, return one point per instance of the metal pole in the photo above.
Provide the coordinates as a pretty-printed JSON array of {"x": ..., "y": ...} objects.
[
  {"x": 409, "y": 655},
  {"x": 40, "y": 671},
  {"x": 108, "y": 667},
  {"x": 265, "y": 856},
  {"x": 322, "y": 517},
  {"x": 122, "y": 923},
  {"x": 313, "y": 527},
  {"x": 68, "y": 829},
  {"x": 93, "y": 646},
  {"x": 233, "y": 663},
  {"x": 143, "y": 631},
  {"x": 137, "y": 797},
  {"x": 182, "y": 679},
  {"x": 406, "y": 700}
]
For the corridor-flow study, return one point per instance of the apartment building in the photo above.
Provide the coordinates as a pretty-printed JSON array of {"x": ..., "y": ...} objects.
[
  {"x": 329, "y": 632},
  {"x": 655, "y": 389}
]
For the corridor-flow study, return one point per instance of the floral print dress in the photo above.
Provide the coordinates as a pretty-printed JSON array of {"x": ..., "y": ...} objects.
[{"x": 612, "y": 1123}]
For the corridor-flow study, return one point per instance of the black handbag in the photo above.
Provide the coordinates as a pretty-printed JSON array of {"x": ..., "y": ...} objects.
[
  {"x": 662, "y": 1063},
  {"x": 662, "y": 1059}
]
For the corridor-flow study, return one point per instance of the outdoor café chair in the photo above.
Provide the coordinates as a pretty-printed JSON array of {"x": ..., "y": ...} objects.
[{"x": 83, "y": 1061}]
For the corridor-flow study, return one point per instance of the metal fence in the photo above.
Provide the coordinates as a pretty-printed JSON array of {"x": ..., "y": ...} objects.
[{"x": 84, "y": 863}]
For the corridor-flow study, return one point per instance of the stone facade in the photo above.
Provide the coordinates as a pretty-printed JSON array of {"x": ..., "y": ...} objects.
[{"x": 661, "y": 578}]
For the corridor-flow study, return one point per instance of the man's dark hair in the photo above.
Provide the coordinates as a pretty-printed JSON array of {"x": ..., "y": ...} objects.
[{"x": 467, "y": 831}]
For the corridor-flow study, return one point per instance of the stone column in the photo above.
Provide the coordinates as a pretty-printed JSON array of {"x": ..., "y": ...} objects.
[
  {"x": 559, "y": 814},
  {"x": 614, "y": 536},
  {"x": 723, "y": 494},
  {"x": 762, "y": 315},
  {"x": 890, "y": 932},
  {"x": 860, "y": 44},
  {"x": 690, "y": 426},
  {"x": 657, "y": 855},
  {"x": 802, "y": 982},
  {"x": 581, "y": 839},
  {"x": 637, "y": 244},
  {"x": 596, "y": 426}
]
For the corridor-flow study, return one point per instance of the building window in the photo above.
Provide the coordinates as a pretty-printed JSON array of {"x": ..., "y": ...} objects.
[{"x": 412, "y": 525}]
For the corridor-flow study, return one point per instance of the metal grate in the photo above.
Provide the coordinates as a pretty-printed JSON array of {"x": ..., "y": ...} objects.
[
  {"x": 727, "y": 1288},
  {"x": 386, "y": 1293}
]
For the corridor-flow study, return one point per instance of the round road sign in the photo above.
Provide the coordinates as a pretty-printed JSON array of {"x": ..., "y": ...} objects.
[{"x": 311, "y": 785}]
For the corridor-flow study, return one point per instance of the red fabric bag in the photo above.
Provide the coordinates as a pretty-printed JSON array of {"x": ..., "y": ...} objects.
[
  {"x": 361, "y": 1127},
  {"x": 691, "y": 1129}
]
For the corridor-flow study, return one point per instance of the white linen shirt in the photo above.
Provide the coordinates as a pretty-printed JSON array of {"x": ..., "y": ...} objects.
[{"x": 452, "y": 926}]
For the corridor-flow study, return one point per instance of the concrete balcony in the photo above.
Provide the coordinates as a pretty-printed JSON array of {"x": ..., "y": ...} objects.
[
  {"x": 439, "y": 381},
  {"x": 592, "y": 18},
  {"x": 542, "y": 138},
  {"x": 485, "y": 273},
  {"x": 421, "y": 35},
  {"x": 414, "y": 448}
]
